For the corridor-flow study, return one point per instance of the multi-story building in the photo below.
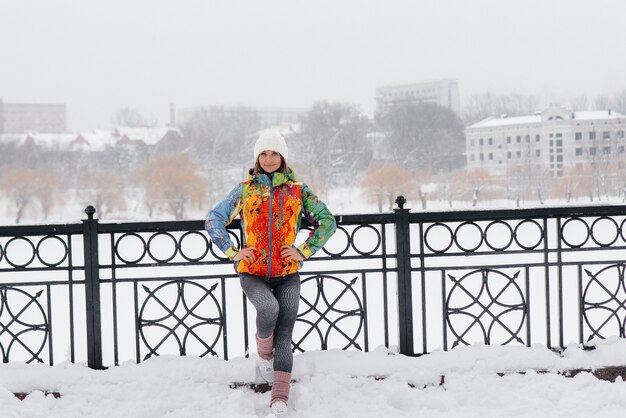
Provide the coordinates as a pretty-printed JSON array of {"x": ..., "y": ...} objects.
[
  {"x": 551, "y": 140},
  {"x": 18, "y": 118},
  {"x": 444, "y": 93}
]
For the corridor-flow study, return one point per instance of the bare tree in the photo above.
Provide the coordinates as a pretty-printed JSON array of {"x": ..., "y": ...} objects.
[
  {"x": 481, "y": 106},
  {"x": 527, "y": 176},
  {"x": 48, "y": 189},
  {"x": 420, "y": 178},
  {"x": 384, "y": 180},
  {"x": 576, "y": 182},
  {"x": 311, "y": 176},
  {"x": 104, "y": 190},
  {"x": 172, "y": 181},
  {"x": 473, "y": 184},
  {"x": 17, "y": 184},
  {"x": 127, "y": 116},
  {"x": 579, "y": 103},
  {"x": 618, "y": 103},
  {"x": 602, "y": 102}
]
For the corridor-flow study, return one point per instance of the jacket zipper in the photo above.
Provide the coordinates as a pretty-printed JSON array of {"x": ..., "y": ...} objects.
[{"x": 269, "y": 264}]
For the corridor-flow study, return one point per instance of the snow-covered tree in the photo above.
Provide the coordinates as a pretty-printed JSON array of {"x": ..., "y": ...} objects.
[
  {"x": 332, "y": 142},
  {"x": 424, "y": 136},
  {"x": 223, "y": 137}
]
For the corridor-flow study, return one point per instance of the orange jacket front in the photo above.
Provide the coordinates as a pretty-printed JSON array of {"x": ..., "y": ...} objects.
[{"x": 271, "y": 211}]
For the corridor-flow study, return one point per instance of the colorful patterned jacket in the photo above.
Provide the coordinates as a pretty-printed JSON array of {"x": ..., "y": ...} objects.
[{"x": 271, "y": 211}]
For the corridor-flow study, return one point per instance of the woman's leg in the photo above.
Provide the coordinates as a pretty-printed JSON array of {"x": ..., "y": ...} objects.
[
  {"x": 287, "y": 292},
  {"x": 259, "y": 293}
]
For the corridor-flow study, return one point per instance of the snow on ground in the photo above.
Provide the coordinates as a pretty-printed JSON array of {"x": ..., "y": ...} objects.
[{"x": 331, "y": 384}]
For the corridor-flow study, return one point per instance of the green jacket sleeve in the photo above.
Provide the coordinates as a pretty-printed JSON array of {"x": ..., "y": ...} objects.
[{"x": 324, "y": 224}]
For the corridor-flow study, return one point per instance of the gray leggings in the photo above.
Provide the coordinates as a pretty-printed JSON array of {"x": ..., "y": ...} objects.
[{"x": 276, "y": 303}]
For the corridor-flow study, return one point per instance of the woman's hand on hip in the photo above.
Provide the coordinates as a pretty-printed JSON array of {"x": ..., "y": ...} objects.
[
  {"x": 288, "y": 252},
  {"x": 247, "y": 254}
]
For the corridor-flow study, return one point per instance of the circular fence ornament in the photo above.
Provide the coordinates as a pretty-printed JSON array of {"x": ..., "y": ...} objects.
[
  {"x": 528, "y": 234},
  {"x": 162, "y": 247},
  {"x": 55, "y": 250},
  {"x": 19, "y": 252},
  {"x": 368, "y": 235},
  {"x": 487, "y": 306},
  {"x": 575, "y": 232},
  {"x": 133, "y": 244},
  {"x": 605, "y": 231},
  {"x": 468, "y": 236},
  {"x": 194, "y": 246},
  {"x": 498, "y": 235},
  {"x": 438, "y": 238}
]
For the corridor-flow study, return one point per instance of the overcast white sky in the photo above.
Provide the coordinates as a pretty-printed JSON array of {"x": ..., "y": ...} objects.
[{"x": 97, "y": 56}]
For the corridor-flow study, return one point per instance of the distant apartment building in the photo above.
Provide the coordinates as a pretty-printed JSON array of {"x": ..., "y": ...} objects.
[
  {"x": 444, "y": 93},
  {"x": 268, "y": 116},
  {"x": 18, "y": 118},
  {"x": 551, "y": 140}
]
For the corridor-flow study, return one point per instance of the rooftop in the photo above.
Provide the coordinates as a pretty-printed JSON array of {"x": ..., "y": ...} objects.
[{"x": 492, "y": 122}]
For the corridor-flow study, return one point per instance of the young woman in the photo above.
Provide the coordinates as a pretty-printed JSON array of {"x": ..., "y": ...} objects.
[{"x": 271, "y": 204}]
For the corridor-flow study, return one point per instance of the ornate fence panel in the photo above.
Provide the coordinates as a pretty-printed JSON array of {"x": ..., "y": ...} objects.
[
  {"x": 550, "y": 275},
  {"x": 164, "y": 289},
  {"x": 106, "y": 293},
  {"x": 42, "y": 294},
  {"x": 349, "y": 288}
]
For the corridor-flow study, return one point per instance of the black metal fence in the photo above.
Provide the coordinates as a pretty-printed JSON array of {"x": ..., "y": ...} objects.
[{"x": 106, "y": 293}]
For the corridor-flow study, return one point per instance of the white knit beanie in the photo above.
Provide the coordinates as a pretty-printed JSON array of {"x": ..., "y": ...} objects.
[{"x": 271, "y": 140}]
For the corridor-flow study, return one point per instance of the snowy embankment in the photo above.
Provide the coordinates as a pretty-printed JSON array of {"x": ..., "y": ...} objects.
[{"x": 332, "y": 384}]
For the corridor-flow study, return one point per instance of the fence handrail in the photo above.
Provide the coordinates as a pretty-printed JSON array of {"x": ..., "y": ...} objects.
[{"x": 502, "y": 214}]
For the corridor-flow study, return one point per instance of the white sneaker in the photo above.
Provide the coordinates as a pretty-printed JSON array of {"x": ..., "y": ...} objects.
[
  {"x": 279, "y": 409},
  {"x": 266, "y": 369}
]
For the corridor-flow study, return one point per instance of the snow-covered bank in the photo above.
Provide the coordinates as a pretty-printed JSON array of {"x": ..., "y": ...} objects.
[
  {"x": 331, "y": 384},
  {"x": 341, "y": 201}
]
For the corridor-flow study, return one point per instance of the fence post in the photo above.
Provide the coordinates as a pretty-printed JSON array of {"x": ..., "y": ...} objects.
[
  {"x": 92, "y": 289},
  {"x": 405, "y": 293}
]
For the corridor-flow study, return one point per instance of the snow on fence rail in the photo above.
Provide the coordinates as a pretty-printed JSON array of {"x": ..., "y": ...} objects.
[{"x": 106, "y": 293}]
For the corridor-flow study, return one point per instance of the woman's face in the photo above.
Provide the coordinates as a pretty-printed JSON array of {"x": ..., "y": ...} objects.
[{"x": 270, "y": 161}]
